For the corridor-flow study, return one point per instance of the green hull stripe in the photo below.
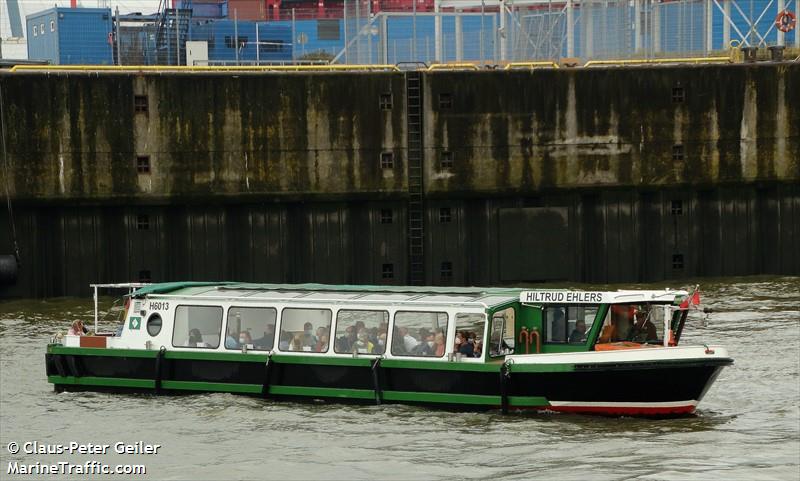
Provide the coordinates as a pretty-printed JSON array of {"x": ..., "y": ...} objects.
[
  {"x": 400, "y": 396},
  {"x": 212, "y": 386},
  {"x": 216, "y": 356},
  {"x": 447, "y": 398},
  {"x": 440, "y": 365},
  {"x": 323, "y": 392},
  {"x": 541, "y": 368},
  {"x": 103, "y": 381},
  {"x": 526, "y": 401},
  {"x": 324, "y": 361},
  {"x": 100, "y": 351}
]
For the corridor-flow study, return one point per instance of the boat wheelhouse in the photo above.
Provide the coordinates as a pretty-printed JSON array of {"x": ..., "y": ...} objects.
[{"x": 476, "y": 348}]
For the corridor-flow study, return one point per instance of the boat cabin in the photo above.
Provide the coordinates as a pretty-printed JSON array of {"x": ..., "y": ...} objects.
[{"x": 475, "y": 325}]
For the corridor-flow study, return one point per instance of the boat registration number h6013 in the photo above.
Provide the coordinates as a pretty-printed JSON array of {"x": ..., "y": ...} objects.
[{"x": 158, "y": 306}]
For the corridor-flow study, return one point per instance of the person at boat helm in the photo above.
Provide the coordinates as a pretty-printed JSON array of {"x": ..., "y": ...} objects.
[
  {"x": 643, "y": 330},
  {"x": 245, "y": 338},
  {"x": 621, "y": 321},
  {"x": 579, "y": 333}
]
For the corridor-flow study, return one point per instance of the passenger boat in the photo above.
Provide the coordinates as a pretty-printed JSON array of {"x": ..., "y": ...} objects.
[{"x": 611, "y": 353}]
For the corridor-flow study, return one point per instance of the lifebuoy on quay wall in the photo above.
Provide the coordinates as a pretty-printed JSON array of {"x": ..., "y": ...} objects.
[
  {"x": 785, "y": 21},
  {"x": 8, "y": 270}
]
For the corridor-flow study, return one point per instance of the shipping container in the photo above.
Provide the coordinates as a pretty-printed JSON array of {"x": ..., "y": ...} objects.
[
  {"x": 71, "y": 36},
  {"x": 273, "y": 41}
]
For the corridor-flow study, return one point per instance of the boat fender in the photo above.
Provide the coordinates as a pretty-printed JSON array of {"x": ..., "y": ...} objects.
[
  {"x": 9, "y": 269},
  {"x": 159, "y": 368},
  {"x": 72, "y": 363},
  {"x": 505, "y": 381},
  {"x": 57, "y": 358},
  {"x": 265, "y": 383},
  {"x": 376, "y": 382}
]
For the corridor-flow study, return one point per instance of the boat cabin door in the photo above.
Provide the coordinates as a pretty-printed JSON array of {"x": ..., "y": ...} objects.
[{"x": 501, "y": 334}]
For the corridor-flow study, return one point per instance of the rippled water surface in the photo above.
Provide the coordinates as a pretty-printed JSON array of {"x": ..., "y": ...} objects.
[{"x": 747, "y": 427}]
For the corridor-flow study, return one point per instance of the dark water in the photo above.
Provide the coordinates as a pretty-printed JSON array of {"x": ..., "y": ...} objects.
[{"x": 747, "y": 427}]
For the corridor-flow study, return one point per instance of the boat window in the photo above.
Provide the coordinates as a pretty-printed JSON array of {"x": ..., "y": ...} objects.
[
  {"x": 643, "y": 323},
  {"x": 568, "y": 324},
  {"x": 197, "y": 326},
  {"x": 154, "y": 325},
  {"x": 305, "y": 330},
  {"x": 501, "y": 339},
  {"x": 361, "y": 331},
  {"x": 419, "y": 334},
  {"x": 251, "y": 326},
  {"x": 469, "y": 334}
]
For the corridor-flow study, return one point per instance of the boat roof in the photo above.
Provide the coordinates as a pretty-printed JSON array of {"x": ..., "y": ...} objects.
[{"x": 476, "y": 296}]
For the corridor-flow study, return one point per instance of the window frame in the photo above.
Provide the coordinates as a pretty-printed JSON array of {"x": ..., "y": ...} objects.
[
  {"x": 278, "y": 332},
  {"x": 393, "y": 328},
  {"x": 483, "y": 335},
  {"x": 221, "y": 323},
  {"x": 225, "y": 330},
  {"x": 331, "y": 339},
  {"x": 150, "y": 318},
  {"x": 566, "y": 307}
]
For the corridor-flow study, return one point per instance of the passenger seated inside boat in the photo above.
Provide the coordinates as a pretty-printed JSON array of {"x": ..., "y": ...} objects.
[
  {"x": 195, "y": 339},
  {"x": 579, "y": 333},
  {"x": 363, "y": 344},
  {"x": 309, "y": 339},
  {"x": 322, "y": 340},
  {"x": 286, "y": 339},
  {"x": 266, "y": 341}
]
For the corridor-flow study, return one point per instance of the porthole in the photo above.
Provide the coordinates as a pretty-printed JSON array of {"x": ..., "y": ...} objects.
[{"x": 154, "y": 325}]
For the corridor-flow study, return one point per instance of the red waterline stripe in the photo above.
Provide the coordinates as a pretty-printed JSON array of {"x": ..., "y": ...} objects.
[{"x": 625, "y": 410}]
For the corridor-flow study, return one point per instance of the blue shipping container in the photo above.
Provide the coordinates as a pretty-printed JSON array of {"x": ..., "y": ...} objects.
[
  {"x": 71, "y": 36},
  {"x": 274, "y": 41}
]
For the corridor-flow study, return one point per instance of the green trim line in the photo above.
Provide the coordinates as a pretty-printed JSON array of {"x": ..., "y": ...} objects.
[
  {"x": 324, "y": 361},
  {"x": 527, "y": 401},
  {"x": 100, "y": 351},
  {"x": 435, "y": 397},
  {"x": 216, "y": 356},
  {"x": 167, "y": 287},
  {"x": 212, "y": 386},
  {"x": 103, "y": 381},
  {"x": 523, "y": 368},
  {"x": 440, "y": 365},
  {"x": 322, "y": 392}
]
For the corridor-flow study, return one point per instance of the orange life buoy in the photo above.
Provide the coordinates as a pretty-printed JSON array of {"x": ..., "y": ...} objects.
[{"x": 785, "y": 21}]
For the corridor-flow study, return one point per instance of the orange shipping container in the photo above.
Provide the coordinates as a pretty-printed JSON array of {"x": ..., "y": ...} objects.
[{"x": 247, "y": 9}]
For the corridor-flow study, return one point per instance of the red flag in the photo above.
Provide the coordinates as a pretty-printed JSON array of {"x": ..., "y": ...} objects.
[{"x": 696, "y": 298}]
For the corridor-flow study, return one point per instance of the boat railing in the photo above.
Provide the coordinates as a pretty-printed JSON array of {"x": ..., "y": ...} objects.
[{"x": 130, "y": 286}]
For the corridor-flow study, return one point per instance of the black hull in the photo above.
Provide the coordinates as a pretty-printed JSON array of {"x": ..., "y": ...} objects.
[{"x": 660, "y": 388}]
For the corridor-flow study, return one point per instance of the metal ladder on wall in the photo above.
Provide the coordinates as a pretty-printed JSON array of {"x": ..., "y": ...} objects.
[{"x": 416, "y": 220}]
